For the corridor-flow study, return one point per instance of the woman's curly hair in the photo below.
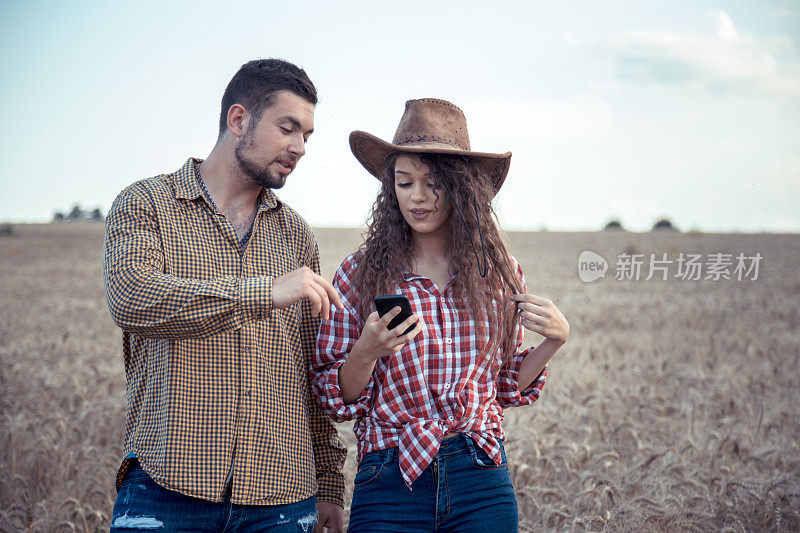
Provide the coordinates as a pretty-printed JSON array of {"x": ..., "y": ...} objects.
[{"x": 388, "y": 248}]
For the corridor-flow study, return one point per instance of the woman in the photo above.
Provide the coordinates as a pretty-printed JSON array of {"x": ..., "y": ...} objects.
[{"x": 429, "y": 404}]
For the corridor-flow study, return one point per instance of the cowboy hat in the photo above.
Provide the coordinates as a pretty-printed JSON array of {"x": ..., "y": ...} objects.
[{"x": 428, "y": 126}]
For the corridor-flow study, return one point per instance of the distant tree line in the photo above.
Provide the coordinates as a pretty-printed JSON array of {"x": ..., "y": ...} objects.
[
  {"x": 77, "y": 213},
  {"x": 663, "y": 224}
]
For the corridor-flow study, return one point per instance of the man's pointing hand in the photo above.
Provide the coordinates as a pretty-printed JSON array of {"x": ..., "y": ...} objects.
[{"x": 304, "y": 283}]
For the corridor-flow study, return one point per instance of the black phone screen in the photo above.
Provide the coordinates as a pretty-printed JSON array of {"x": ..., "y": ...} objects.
[{"x": 384, "y": 304}]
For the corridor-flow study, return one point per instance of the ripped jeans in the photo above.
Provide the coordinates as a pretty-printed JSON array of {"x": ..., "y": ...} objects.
[{"x": 144, "y": 505}]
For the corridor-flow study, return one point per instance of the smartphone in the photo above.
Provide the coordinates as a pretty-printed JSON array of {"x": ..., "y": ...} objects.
[{"x": 384, "y": 304}]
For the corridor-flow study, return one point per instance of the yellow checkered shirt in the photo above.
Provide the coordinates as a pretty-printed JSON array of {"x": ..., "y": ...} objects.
[{"x": 217, "y": 380}]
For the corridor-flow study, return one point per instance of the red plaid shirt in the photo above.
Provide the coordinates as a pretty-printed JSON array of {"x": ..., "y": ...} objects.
[{"x": 439, "y": 383}]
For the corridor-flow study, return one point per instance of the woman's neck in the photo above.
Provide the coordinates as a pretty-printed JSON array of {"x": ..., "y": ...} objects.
[
  {"x": 432, "y": 246},
  {"x": 432, "y": 257}
]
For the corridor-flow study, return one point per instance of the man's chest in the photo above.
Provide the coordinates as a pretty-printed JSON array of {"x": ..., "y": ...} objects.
[
  {"x": 241, "y": 219},
  {"x": 204, "y": 246}
]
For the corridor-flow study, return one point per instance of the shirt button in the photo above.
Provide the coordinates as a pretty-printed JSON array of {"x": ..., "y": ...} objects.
[
  {"x": 247, "y": 393},
  {"x": 448, "y": 340}
]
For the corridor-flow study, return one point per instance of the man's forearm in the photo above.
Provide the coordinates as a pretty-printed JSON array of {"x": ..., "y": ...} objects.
[{"x": 163, "y": 306}]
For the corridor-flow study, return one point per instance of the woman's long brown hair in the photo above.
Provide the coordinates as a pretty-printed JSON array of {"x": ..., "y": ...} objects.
[{"x": 388, "y": 248}]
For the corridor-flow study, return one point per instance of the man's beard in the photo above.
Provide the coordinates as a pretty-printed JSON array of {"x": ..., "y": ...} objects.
[{"x": 261, "y": 175}]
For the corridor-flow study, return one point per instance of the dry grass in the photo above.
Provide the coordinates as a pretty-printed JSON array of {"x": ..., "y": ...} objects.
[{"x": 673, "y": 406}]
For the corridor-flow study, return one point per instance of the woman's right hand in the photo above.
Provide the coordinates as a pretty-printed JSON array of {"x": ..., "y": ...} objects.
[{"x": 378, "y": 341}]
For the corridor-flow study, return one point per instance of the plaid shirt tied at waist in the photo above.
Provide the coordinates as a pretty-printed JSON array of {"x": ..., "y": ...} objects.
[
  {"x": 217, "y": 380},
  {"x": 439, "y": 383}
]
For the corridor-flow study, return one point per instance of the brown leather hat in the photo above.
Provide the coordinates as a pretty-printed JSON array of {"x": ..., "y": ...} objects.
[{"x": 428, "y": 126}]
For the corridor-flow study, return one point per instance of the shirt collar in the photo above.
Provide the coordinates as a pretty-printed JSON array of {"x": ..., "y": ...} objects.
[
  {"x": 268, "y": 200},
  {"x": 408, "y": 276},
  {"x": 186, "y": 186}
]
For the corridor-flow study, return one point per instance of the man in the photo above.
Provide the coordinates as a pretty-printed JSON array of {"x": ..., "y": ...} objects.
[{"x": 215, "y": 283}]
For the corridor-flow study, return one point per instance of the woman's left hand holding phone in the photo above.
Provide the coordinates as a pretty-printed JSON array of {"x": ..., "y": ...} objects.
[{"x": 376, "y": 341}]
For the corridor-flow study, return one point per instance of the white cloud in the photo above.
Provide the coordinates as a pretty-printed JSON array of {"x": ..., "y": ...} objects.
[
  {"x": 723, "y": 61},
  {"x": 724, "y": 26}
]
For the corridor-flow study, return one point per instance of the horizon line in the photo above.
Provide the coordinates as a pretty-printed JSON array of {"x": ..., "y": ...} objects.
[{"x": 518, "y": 229}]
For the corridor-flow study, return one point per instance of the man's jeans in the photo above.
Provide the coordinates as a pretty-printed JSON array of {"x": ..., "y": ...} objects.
[
  {"x": 462, "y": 490},
  {"x": 144, "y": 505}
]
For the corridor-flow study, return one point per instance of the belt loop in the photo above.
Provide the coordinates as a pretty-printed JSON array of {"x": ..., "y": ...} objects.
[
  {"x": 389, "y": 455},
  {"x": 471, "y": 446}
]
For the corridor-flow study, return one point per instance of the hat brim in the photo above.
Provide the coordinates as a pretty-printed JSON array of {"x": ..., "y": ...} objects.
[{"x": 371, "y": 152}]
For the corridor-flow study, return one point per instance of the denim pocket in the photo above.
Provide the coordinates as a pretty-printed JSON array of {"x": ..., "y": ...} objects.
[
  {"x": 370, "y": 469},
  {"x": 482, "y": 460}
]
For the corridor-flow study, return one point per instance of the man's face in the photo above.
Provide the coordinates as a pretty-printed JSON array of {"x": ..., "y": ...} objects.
[{"x": 269, "y": 149}]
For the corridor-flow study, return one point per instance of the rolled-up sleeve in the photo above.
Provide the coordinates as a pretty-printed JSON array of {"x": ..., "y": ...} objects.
[
  {"x": 335, "y": 340},
  {"x": 508, "y": 393}
]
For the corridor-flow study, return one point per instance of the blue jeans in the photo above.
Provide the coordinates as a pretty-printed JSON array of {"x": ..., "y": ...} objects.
[
  {"x": 461, "y": 490},
  {"x": 143, "y": 504}
]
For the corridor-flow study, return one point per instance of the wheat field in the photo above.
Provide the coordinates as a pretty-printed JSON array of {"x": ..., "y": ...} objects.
[{"x": 673, "y": 406}]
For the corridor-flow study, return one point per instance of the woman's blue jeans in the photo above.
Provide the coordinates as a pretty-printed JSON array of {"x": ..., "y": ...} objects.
[
  {"x": 144, "y": 505},
  {"x": 461, "y": 490}
]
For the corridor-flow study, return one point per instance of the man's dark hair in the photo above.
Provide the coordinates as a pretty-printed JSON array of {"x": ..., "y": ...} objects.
[{"x": 255, "y": 84}]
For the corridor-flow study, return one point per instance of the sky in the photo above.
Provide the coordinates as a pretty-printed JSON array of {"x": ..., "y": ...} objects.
[{"x": 636, "y": 111}]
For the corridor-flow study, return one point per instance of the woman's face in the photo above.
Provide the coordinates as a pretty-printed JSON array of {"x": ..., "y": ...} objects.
[{"x": 416, "y": 196}]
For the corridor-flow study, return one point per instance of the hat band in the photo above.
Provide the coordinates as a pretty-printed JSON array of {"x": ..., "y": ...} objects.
[{"x": 428, "y": 139}]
